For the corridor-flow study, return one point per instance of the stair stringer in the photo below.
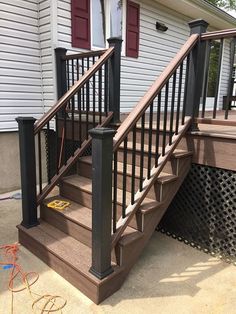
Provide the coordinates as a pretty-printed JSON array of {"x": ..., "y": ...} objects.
[{"x": 127, "y": 255}]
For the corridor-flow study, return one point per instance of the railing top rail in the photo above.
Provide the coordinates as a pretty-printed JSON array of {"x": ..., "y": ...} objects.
[
  {"x": 227, "y": 33},
  {"x": 143, "y": 104},
  {"x": 71, "y": 92},
  {"x": 82, "y": 55}
]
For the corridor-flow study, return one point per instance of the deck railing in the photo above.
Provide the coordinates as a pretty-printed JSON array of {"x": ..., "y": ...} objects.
[
  {"x": 69, "y": 120},
  {"x": 166, "y": 100},
  {"x": 218, "y": 62}
]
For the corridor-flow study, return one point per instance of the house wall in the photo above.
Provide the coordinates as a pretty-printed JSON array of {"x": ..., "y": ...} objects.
[
  {"x": 24, "y": 73},
  {"x": 20, "y": 66},
  {"x": 30, "y": 30},
  {"x": 155, "y": 51},
  {"x": 47, "y": 31}
]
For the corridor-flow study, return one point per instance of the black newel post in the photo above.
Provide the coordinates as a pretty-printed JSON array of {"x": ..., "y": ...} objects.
[
  {"x": 61, "y": 71},
  {"x": 114, "y": 78},
  {"x": 196, "y": 71},
  {"x": 102, "y": 145},
  {"x": 28, "y": 171}
]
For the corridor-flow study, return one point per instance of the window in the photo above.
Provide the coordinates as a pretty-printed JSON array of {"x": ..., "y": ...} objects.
[
  {"x": 116, "y": 13},
  {"x": 98, "y": 23},
  {"x": 82, "y": 26},
  {"x": 93, "y": 21},
  {"x": 213, "y": 69}
]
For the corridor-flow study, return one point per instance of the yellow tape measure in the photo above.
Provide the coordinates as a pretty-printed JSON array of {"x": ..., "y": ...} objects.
[{"x": 58, "y": 204}]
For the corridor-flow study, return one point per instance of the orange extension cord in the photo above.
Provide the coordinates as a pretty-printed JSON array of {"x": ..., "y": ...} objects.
[{"x": 48, "y": 301}]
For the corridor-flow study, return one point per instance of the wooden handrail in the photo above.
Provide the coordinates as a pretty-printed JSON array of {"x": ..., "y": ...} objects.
[
  {"x": 148, "y": 183},
  {"x": 72, "y": 91},
  {"x": 82, "y": 55},
  {"x": 144, "y": 103},
  {"x": 227, "y": 33}
]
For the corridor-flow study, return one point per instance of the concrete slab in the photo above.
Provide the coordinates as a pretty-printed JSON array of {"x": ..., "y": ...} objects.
[{"x": 169, "y": 277}]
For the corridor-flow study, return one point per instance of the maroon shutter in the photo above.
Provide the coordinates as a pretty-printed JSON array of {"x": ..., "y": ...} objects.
[
  {"x": 132, "y": 29},
  {"x": 80, "y": 16}
]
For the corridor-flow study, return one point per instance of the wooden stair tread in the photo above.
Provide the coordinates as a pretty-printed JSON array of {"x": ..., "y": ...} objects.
[
  {"x": 65, "y": 247},
  {"x": 82, "y": 215},
  {"x": 85, "y": 184},
  {"x": 163, "y": 177},
  {"x": 74, "y": 212}
]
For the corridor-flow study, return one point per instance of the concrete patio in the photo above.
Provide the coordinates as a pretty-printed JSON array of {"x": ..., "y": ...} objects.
[{"x": 170, "y": 277}]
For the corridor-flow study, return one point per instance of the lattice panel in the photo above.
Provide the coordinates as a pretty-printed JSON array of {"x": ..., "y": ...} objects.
[{"x": 203, "y": 213}]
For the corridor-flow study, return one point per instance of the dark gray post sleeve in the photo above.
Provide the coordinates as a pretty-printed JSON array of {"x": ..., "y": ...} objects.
[
  {"x": 196, "y": 70},
  {"x": 102, "y": 152},
  {"x": 114, "y": 78},
  {"x": 61, "y": 71},
  {"x": 28, "y": 171}
]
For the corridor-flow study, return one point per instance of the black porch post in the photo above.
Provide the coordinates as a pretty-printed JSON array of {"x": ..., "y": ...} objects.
[
  {"x": 28, "y": 171},
  {"x": 114, "y": 78},
  {"x": 196, "y": 71},
  {"x": 102, "y": 145},
  {"x": 61, "y": 71}
]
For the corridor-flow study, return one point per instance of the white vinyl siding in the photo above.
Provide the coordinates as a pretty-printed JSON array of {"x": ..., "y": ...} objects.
[
  {"x": 47, "y": 53},
  {"x": 155, "y": 51},
  {"x": 20, "y": 67},
  {"x": 30, "y": 30},
  {"x": 225, "y": 72}
]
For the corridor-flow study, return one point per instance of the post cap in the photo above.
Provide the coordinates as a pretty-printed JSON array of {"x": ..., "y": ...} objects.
[
  {"x": 198, "y": 26},
  {"x": 102, "y": 132},
  {"x": 60, "y": 50},
  {"x": 115, "y": 40},
  {"x": 25, "y": 120}
]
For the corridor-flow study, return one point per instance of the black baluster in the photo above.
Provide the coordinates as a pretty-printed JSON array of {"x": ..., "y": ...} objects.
[
  {"x": 49, "y": 153},
  {"x": 158, "y": 128},
  {"x": 133, "y": 177},
  {"x": 218, "y": 78},
  {"x": 83, "y": 93},
  {"x": 40, "y": 162},
  {"x": 100, "y": 95},
  {"x": 206, "y": 77},
  {"x": 179, "y": 98},
  {"x": 185, "y": 88},
  {"x": 165, "y": 119},
  {"x": 142, "y": 152},
  {"x": 115, "y": 193},
  {"x": 150, "y": 140},
  {"x": 106, "y": 88},
  {"x": 124, "y": 178},
  {"x": 172, "y": 108}
]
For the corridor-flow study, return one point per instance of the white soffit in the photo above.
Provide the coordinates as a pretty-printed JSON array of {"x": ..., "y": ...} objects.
[{"x": 196, "y": 9}]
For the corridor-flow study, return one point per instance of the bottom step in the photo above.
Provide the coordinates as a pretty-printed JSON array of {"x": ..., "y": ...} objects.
[{"x": 69, "y": 258}]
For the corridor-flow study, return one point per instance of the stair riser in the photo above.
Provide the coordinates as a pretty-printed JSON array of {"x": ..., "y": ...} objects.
[
  {"x": 67, "y": 226},
  {"x": 126, "y": 255},
  {"x": 153, "y": 134},
  {"x": 156, "y": 191},
  {"x": 97, "y": 293},
  {"x": 169, "y": 167},
  {"x": 146, "y": 137}
]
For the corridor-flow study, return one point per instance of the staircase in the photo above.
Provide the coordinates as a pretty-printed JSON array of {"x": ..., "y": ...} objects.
[
  {"x": 118, "y": 194},
  {"x": 63, "y": 239}
]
